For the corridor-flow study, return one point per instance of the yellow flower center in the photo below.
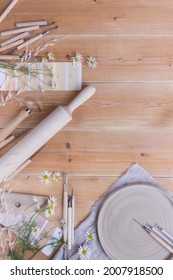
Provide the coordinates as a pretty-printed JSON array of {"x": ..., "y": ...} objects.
[
  {"x": 90, "y": 236},
  {"x": 84, "y": 252},
  {"x": 76, "y": 59},
  {"x": 45, "y": 177},
  {"x": 35, "y": 230}
]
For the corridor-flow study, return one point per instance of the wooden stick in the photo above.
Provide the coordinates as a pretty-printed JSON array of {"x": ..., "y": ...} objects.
[
  {"x": 69, "y": 228},
  {"x": 9, "y": 41},
  {"x": 6, "y": 141},
  {"x": 30, "y": 41},
  {"x": 14, "y": 123},
  {"x": 13, "y": 175},
  {"x": 31, "y": 23},
  {"x": 19, "y": 30},
  {"x": 8, "y": 57},
  {"x": 65, "y": 208},
  {"x": 73, "y": 218},
  {"x": 19, "y": 42},
  {"x": 8, "y": 9}
]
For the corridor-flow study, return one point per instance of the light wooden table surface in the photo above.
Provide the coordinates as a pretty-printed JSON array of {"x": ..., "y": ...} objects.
[{"x": 130, "y": 118}]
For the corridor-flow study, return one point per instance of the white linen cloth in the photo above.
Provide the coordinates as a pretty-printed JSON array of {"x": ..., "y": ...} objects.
[{"x": 135, "y": 174}]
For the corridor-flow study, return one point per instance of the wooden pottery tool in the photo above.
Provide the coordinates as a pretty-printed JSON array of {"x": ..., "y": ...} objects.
[
  {"x": 10, "y": 127},
  {"x": 65, "y": 208},
  {"x": 8, "y": 9},
  {"x": 12, "y": 137},
  {"x": 13, "y": 44},
  {"x": 16, "y": 38},
  {"x": 31, "y": 23},
  {"x": 35, "y": 139},
  {"x": 9, "y": 57},
  {"x": 69, "y": 225},
  {"x": 19, "y": 30},
  {"x": 73, "y": 217},
  {"x": 32, "y": 40}
]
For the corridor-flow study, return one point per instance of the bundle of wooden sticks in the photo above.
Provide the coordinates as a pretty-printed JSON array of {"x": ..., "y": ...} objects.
[{"x": 24, "y": 38}]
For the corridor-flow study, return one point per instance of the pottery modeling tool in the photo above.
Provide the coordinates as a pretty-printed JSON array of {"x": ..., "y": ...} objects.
[
  {"x": 8, "y": 9},
  {"x": 43, "y": 132},
  {"x": 19, "y": 30},
  {"x": 32, "y": 40},
  {"x": 31, "y": 23},
  {"x": 73, "y": 218},
  {"x": 13, "y": 44},
  {"x": 65, "y": 208},
  {"x": 9, "y": 57},
  {"x": 156, "y": 237},
  {"x": 7, "y": 130},
  {"x": 162, "y": 235},
  {"x": 165, "y": 233},
  {"x": 69, "y": 225},
  {"x": 12, "y": 137},
  {"x": 16, "y": 38}
]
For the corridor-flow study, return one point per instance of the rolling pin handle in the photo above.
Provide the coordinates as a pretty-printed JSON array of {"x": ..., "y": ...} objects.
[{"x": 83, "y": 96}]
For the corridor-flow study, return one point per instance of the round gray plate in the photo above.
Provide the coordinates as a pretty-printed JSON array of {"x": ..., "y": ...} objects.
[{"x": 122, "y": 238}]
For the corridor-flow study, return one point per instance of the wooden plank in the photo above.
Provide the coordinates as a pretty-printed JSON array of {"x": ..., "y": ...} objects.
[
  {"x": 121, "y": 59},
  {"x": 95, "y": 17},
  {"x": 115, "y": 106}
]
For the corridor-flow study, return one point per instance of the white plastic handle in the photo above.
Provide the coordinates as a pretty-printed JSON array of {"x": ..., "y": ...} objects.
[{"x": 83, "y": 96}]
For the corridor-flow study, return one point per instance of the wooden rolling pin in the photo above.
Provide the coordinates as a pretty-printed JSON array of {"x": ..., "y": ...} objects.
[
  {"x": 42, "y": 133},
  {"x": 14, "y": 123}
]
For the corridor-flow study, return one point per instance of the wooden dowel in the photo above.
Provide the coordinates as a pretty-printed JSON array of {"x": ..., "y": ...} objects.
[
  {"x": 16, "y": 43},
  {"x": 19, "y": 30},
  {"x": 8, "y": 9},
  {"x": 31, "y": 23},
  {"x": 18, "y": 37},
  {"x": 9, "y": 57}
]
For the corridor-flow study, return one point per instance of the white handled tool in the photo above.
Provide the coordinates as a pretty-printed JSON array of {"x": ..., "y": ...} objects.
[{"x": 34, "y": 140}]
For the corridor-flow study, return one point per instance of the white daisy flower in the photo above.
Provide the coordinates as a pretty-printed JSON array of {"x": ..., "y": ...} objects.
[
  {"x": 36, "y": 202},
  {"x": 44, "y": 60},
  {"x": 52, "y": 202},
  {"x": 44, "y": 176},
  {"x": 84, "y": 252},
  {"x": 51, "y": 56},
  {"x": 91, "y": 62},
  {"x": 49, "y": 212},
  {"x": 90, "y": 236},
  {"x": 56, "y": 176},
  {"x": 54, "y": 84},
  {"x": 35, "y": 230},
  {"x": 76, "y": 59}
]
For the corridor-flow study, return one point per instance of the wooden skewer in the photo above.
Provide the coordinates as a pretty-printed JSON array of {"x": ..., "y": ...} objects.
[
  {"x": 8, "y": 9},
  {"x": 19, "y": 30},
  {"x": 30, "y": 41},
  {"x": 31, "y": 23},
  {"x": 19, "y": 42},
  {"x": 9, "y": 41}
]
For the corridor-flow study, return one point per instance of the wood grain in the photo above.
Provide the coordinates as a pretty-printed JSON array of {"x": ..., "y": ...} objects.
[{"x": 130, "y": 118}]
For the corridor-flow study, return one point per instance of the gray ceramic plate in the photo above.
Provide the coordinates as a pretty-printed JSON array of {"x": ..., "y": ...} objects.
[{"x": 120, "y": 237}]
